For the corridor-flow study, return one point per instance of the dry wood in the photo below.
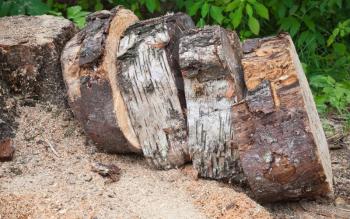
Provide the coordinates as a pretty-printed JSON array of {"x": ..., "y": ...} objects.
[
  {"x": 88, "y": 63},
  {"x": 152, "y": 88},
  {"x": 213, "y": 83},
  {"x": 283, "y": 149}
]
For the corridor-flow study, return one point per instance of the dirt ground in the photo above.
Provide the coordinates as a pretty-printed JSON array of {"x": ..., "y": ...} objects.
[{"x": 44, "y": 183}]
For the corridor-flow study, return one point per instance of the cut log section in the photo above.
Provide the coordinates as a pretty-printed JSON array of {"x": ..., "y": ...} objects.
[
  {"x": 30, "y": 47},
  {"x": 283, "y": 149},
  {"x": 88, "y": 63},
  {"x": 210, "y": 63},
  {"x": 152, "y": 88}
]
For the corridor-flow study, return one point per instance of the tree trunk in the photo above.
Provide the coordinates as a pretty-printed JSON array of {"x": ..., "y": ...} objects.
[
  {"x": 283, "y": 149},
  {"x": 29, "y": 63},
  {"x": 213, "y": 83},
  {"x": 89, "y": 66},
  {"x": 152, "y": 88}
]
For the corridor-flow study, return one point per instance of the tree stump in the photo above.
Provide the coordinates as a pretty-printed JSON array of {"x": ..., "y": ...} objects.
[
  {"x": 283, "y": 149},
  {"x": 89, "y": 67},
  {"x": 213, "y": 84},
  {"x": 152, "y": 88},
  {"x": 30, "y": 48}
]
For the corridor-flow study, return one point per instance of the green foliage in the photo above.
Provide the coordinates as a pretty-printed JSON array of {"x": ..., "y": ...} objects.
[
  {"x": 77, "y": 15},
  {"x": 320, "y": 30},
  {"x": 17, "y": 7}
]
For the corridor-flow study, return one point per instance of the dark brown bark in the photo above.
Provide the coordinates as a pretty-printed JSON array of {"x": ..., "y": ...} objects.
[
  {"x": 213, "y": 84},
  {"x": 152, "y": 88},
  {"x": 283, "y": 149},
  {"x": 88, "y": 62}
]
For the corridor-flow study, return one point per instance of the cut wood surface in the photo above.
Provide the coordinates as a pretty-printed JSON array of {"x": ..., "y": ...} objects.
[
  {"x": 213, "y": 83},
  {"x": 88, "y": 63},
  {"x": 152, "y": 88},
  {"x": 283, "y": 149}
]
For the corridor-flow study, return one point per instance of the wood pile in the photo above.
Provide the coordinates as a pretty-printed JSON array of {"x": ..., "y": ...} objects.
[{"x": 241, "y": 112}]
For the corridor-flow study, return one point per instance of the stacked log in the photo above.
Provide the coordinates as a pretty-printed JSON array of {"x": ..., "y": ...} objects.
[
  {"x": 283, "y": 149},
  {"x": 124, "y": 84},
  {"x": 241, "y": 113},
  {"x": 152, "y": 88},
  {"x": 88, "y": 66},
  {"x": 213, "y": 84}
]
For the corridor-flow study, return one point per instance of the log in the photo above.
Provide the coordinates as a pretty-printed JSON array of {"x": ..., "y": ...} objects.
[
  {"x": 213, "y": 81},
  {"x": 152, "y": 88},
  {"x": 30, "y": 48},
  {"x": 283, "y": 149},
  {"x": 88, "y": 63}
]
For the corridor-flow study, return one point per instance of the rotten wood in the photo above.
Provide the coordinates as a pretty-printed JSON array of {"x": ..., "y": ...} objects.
[
  {"x": 210, "y": 63},
  {"x": 152, "y": 89},
  {"x": 88, "y": 63},
  {"x": 283, "y": 149}
]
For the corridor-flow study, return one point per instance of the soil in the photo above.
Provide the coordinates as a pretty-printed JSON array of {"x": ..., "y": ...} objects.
[{"x": 51, "y": 176}]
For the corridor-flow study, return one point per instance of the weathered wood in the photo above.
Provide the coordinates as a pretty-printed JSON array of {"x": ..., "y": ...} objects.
[
  {"x": 283, "y": 149},
  {"x": 88, "y": 63},
  {"x": 30, "y": 48},
  {"x": 152, "y": 88},
  {"x": 213, "y": 83}
]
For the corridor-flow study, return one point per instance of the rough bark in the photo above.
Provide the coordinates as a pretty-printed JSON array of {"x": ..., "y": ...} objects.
[
  {"x": 283, "y": 149},
  {"x": 88, "y": 63},
  {"x": 152, "y": 88},
  {"x": 30, "y": 48},
  {"x": 213, "y": 81},
  {"x": 29, "y": 64}
]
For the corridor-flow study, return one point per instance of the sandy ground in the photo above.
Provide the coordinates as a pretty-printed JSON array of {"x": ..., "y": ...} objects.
[{"x": 38, "y": 184}]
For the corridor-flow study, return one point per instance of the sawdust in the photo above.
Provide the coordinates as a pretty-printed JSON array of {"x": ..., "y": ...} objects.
[{"x": 56, "y": 181}]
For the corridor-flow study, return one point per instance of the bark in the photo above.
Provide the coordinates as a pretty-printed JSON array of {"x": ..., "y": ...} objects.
[
  {"x": 88, "y": 63},
  {"x": 30, "y": 48},
  {"x": 213, "y": 84},
  {"x": 152, "y": 88},
  {"x": 283, "y": 149}
]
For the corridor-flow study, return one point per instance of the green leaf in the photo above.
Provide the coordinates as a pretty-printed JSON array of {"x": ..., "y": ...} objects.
[
  {"x": 309, "y": 23},
  {"x": 233, "y": 5},
  {"x": 205, "y": 9},
  {"x": 98, "y": 5},
  {"x": 73, "y": 11},
  {"x": 216, "y": 14},
  {"x": 5, "y": 8},
  {"x": 321, "y": 81},
  {"x": 254, "y": 25},
  {"x": 151, "y": 5},
  {"x": 249, "y": 10},
  {"x": 193, "y": 8},
  {"x": 339, "y": 48},
  {"x": 236, "y": 17},
  {"x": 37, "y": 7},
  {"x": 261, "y": 10},
  {"x": 333, "y": 36},
  {"x": 201, "y": 23}
]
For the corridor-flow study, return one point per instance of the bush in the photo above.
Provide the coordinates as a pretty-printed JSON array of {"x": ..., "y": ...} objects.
[{"x": 320, "y": 30}]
